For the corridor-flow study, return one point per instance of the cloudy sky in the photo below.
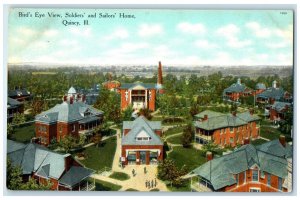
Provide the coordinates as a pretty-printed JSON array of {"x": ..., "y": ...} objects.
[{"x": 176, "y": 37}]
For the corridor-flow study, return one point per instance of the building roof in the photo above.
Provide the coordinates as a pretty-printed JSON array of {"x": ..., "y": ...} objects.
[
  {"x": 260, "y": 86},
  {"x": 271, "y": 92},
  {"x": 220, "y": 171},
  {"x": 209, "y": 114},
  {"x": 18, "y": 92},
  {"x": 75, "y": 175},
  {"x": 218, "y": 120},
  {"x": 13, "y": 103},
  {"x": 72, "y": 90},
  {"x": 236, "y": 87},
  {"x": 45, "y": 163},
  {"x": 142, "y": 85},
  {"x": 66, "y": 112},
  {"x": 155, "y": 125},
  {"x": 279, "y": 106},
  {"x": 142, "y": 126}
]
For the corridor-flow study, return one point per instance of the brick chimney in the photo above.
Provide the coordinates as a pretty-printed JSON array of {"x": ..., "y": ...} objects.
[
  {"x": 282, "y": 140},
  {"x": 209, "y": 156},
  {"x": 68, "y": 161},
  {"x": 159, "y": 74},
  {"x": 234, "y": 113},
  {"x": 246, "y": 141},
  {"x": 251, "y": 111},
  {"x": 83, "y": 98},
  {"x": 65, "y": 98},
  {"x": 272, "y": 101},
  {"x": 71, "y": 100},
  {"x": 205, "y": 118}
]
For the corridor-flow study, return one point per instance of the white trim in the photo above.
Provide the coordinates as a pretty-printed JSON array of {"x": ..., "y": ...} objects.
[{"x": 158, "y": 150}]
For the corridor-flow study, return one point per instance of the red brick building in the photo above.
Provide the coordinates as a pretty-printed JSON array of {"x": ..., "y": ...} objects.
[
  {"x": 72, "y": 117},
  {"x": 112, "y": 85},
  {"x": 236, "y": 91},
  {"x": 43, "y": 165},
  {"x": 226, "y": 129},
  {"x": 263, "y": 168},
  {"x": 141, "y": 142},
  {"x": 13, "y": 107},
  {"x": 141, "y": 95},
  {"x": 278, "y": 110}
]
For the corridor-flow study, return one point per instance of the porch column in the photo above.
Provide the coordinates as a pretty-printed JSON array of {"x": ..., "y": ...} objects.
[
  {"x": 138, "y": 157},
  {"x": 147, "y": 157},
  {"x": 146, "y": 98}
]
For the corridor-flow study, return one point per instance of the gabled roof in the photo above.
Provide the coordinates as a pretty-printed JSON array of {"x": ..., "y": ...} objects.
[
  {"x": 209, "y": 114},
  {"x": 18, "y": 92},
  {"x": 237, "y": 87},
  {"x": 141, "y": 124},
  {"x": 13, "y": 103},
  {"x": 72, "y": 90},
  {"x": 220, "y": 171},
  {"x": 66, "y": 112},
  {"x": 271, "y": 92},
  {"x": 34, "y": 158},
  {"x": 247, "y": 116},
  {"x": 279, "y": 106},
  {"x": 155, "y": 125},
  {"x": 75, "y": 175},
  {"x": 132, "y": 85},
  {"x": 260, "y": 86}
]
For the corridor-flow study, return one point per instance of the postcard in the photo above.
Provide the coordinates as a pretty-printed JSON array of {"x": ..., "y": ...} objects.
[{"x": 163, "y": 100}]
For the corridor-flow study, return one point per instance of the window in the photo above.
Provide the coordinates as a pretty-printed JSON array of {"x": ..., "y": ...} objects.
[
  {"x": 254, "y": 190},
  {"x": 279, "y": 183},
  {"x": 74, "y": 127},
  {"x": 60, "y": 129},
  {"x": 269, "y": 179},
  {"x": 254, "y": 175},
  {"x": 245, "y": 176},
  {"x": 231, "y": 140},
  {"x": 231, "y": 129},
  {"x": 237, "y": 179}
]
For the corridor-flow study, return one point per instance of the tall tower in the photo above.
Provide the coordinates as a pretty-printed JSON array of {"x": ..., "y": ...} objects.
[{"x": 159, "y": 74}]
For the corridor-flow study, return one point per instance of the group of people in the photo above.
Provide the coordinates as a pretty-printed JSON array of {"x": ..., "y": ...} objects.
[{"x": 151, "y": 184}]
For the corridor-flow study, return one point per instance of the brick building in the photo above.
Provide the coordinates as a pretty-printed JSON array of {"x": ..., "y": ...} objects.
[
  {"x": 141, "y": 95},
  {"x": 20, "y": 94},
  {"x": 43, "y": 165},
  {"x": 226, "y": 129},
  {"x": 263, "y": 168},
  {"x": 259, "y": 88},
  {"x": 13, "y": 107},
  {"x": 236, "y": 91},
  {"x": 278, "y": 110},
  {"x": 141, "y": 142},
  {"x": 272, "y": 94},
  {"x": 72, "y": 117}
]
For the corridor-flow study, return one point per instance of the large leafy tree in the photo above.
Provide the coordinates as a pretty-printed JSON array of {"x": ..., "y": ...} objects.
[
  {"x": 187, "y": 136},
  {"x": 19, "y": 118}
]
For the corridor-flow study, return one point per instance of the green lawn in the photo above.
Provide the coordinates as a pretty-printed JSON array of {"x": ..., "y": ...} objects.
[
  {"x": 173, "y": 131},
  {"x": 120, "y": 176},
  {"x": 106, "y": 186},
  {"x": 190, "y": 157},
  {"x": 175, "y": 140},
  {"x": 186, "y": 187},
  {"x": 258, "y": 142},
  {"x": 23, "y": 134},
  {"x": 269, "y": 133},
  {"x": 99, "y": 157}
]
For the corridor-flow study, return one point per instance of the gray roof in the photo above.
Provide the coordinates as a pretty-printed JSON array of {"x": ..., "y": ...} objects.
[
  {"x": 155, "y": 125},
  {"x": 45, "y": 163},
  {"x": 132, "y": 85},
  {"x": 271, "y": 92},
  {"x": 220, "y": 171},
  {"x": 279, "y": 106},
  {"x": 260, "y": 86},
  {"x": 13, "y": 103},
  {"x": 66, "y": 112},
  {"x": 18, "y": 92},
  {"x": 75, "y": 175},
  {"x": 247, "y": 116},
  {"x": 139, "y": 125},
  {"x": 236, "y": 87},
  {"x": 209, "y": 114}
]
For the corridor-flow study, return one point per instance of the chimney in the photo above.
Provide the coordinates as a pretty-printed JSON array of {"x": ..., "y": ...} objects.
[
  {"x": 251, "y": 111},
  {"x": 83, "y": 98},
  {"x": 65, "y": 98},
  {"x": 274, "y": 84},
  {"x": 68, "y": 161},
  {"x": 234, "y": 113},
  {"x": 246, "y": 141},
  {"x": 282, "y": 140},
  {"x": 239, "y": 81},
  {"x": 205, "y": 118},
  {"x": 209, "y": 156},
  {"x": 71, "y": 100},
  {"x": 159, "y": 74},
  {"x": 272, "y": 101}
]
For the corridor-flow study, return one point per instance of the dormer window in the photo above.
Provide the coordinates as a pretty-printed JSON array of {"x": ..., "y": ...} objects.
[{"x": 143, "y": 138}]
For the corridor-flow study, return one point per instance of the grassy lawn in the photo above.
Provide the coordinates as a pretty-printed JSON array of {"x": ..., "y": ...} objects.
[
  {"x": 99, "y": 157},
  {"x": 173, "y": 131},
  {"x": 120, "y": 176},
  {"x": 258, "y": 142},
  {"x": 175, "y": 140},
  {"x": 106, "y": 186},
  {"x": 190, "y": 157},
  {"x": 186, "y": 187},
  {"x": 24, "y": 133},
  {"x": 269, "y": 133}
]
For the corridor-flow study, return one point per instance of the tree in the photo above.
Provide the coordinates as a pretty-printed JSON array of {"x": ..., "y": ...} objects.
[
  {"x": 187, "y": 136},
  {"x": 146, "y": 113},
  {"x": 210, "y": 146},
  {"x": 10, "y": 129},
  {"x": 97, "y": 139},
  {"x": 67, "y": 143},
  {"x": 127, "y": 114},
  {"x": 38, "y": 105},
  {"x": 194, "y": 110},
  {"x": 13, "y": 176},
  {"x": 19, "y": 118},
  {"x": 167, "y": 171}
]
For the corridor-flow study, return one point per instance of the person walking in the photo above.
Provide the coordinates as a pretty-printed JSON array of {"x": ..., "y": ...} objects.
[
  {"x": 155, "y": 182},
  {"x": 152, "y": 183},
  {"x": 145, "y": 170},
  {"x": 133, "y": 172}
]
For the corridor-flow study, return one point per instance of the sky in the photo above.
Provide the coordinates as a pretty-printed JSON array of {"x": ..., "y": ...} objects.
[{"x": 175, "y": 37}]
